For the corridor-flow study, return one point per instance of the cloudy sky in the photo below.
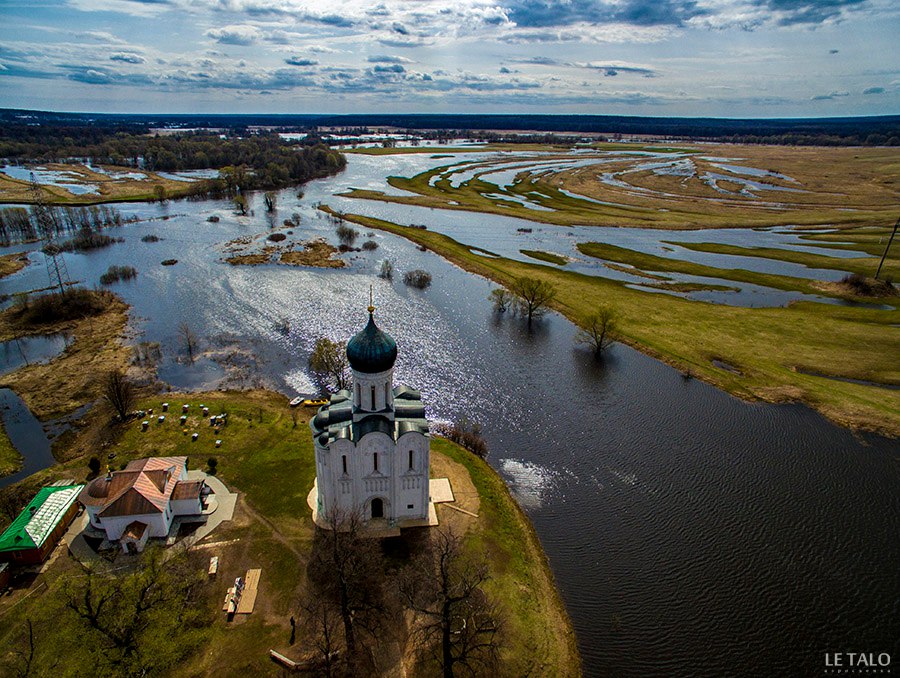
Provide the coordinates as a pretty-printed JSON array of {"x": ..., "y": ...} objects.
[{"x": 735, "y": 58}]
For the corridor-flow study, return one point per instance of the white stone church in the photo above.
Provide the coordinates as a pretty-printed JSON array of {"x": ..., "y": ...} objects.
[{"x": 372, "y": 442}]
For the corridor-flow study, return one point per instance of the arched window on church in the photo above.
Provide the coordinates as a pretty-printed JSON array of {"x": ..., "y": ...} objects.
[
  {"x": 375, "y": 460},
  {"x": 410, "y": 460},
  {"x": 373, "y": 396},
  {"x": 386, "y": 393},
  {"x": 359, "y": 395},
  {"x": 344, "y": 462}
]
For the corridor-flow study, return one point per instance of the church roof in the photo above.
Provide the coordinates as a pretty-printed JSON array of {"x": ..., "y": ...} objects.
[
  {"x": 335, "y": 420},
  {"x": 371, "y": 350}
]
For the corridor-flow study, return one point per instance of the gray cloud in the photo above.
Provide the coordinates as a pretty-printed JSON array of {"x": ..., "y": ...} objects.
[
  {"x": 538, "y": 60},
  {"x": 388, "y": 59},
  {"x": 792, "y": 12},
  {"x": 127, "y": 58},
  {"x": 612, "y": 69},
  {"x": 830, "y": 95},
  {"x": 548, "y": 13},
  {"x": 234, "y": 35},
  {"x": 393, "y": 68},
  {"x": 300, "y": 61},
  {"x": 873, "y": 90}
]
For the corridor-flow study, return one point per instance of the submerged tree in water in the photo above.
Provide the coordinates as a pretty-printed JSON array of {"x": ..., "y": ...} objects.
[{"x": 599, "y": 329}]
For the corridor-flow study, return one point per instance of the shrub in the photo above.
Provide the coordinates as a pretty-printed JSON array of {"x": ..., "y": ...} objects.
[
  {"x": 501, "y": 298},
  {"x": 212, "y": 463},
  {"x": 86, "y": 239},
  {"x": 277, "y": 237},
  {"x": 418, "y": 278},
  {"x": 73, "y": 304},
  {"x": 370, "y": 245},
  {"x": 867, "y": 287},
  {"x": 466, "y": 434},
  {"x": 213, "y": 219},
  {"x": 346, "y": 234},
  {"x": 94, "y": 466},
  {"x": 117, "y": 273},
  {"x": 387, "y": 270},
  {"x": 169, "y": 262},
  {"x": 150, "y": 237}
]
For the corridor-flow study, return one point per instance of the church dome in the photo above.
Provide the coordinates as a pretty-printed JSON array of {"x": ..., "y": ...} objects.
[{"x": 371, "y": 350}]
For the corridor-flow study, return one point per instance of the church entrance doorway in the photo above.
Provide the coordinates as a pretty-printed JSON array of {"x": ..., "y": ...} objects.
[{"x": 377, "y": 508}]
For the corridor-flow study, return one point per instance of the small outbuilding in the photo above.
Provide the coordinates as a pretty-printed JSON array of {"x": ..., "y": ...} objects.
[
  {"x": 142, "y": 501},
  {"x": 33, "y": 534}
]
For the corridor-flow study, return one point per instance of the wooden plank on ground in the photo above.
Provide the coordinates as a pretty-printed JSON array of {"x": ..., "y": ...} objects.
[{"x": 248, "y": 597}]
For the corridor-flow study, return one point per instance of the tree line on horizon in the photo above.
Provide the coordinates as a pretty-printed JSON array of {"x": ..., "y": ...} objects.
[{"x": 265, "y": 160}]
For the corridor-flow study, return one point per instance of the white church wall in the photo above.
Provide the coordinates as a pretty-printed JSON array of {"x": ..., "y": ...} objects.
[
  {"x": 378, "y": 384},
  {"x": 114, "y": 526}
]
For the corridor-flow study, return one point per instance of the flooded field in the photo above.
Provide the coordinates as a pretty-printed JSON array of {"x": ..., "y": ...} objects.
[{"x": 689, "y": 532}]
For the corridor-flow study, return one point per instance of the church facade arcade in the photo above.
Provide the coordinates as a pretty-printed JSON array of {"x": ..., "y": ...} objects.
[{"x": 372, "y": 442}]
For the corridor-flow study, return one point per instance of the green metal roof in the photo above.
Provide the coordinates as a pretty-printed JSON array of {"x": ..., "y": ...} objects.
[
  {"x": 372, "y": 350},
  {"x": 32, "y": 526}
]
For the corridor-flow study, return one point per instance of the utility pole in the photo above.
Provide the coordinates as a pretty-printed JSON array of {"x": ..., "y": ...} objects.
[
  {"x": 56, "y": 264},
  {"x": 890, "y": 240}
]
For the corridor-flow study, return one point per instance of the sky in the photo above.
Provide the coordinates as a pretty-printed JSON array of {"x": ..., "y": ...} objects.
[{"x": 719, "y": 58}]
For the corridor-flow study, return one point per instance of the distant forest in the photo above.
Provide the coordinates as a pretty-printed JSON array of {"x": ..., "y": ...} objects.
[
  {"x": 257, "y": 161},
  {"x": 20, "y": 126}
]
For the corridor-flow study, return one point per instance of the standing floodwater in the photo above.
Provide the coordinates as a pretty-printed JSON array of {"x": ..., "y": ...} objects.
[{"x": 690, "y": 533}]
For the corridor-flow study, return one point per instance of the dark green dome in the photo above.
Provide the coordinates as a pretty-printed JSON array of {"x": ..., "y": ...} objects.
[{"x": 372, "y": 351}]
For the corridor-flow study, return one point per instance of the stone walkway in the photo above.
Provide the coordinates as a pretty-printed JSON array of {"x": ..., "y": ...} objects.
[{"x": 220, "y": 508}]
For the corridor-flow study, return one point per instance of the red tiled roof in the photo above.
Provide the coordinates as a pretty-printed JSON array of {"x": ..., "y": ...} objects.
[
  {"x": 145, "y": 486},
  {"x": 187, "y": 489},
  {"x": 135, "y": 530}
]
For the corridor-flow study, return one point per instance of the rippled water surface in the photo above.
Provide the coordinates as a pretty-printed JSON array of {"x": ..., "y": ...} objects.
[{"x": 690, "y": 533}]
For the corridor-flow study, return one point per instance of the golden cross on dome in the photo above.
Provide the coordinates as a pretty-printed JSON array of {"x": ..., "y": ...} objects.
[{"x": 371, "y": 298}]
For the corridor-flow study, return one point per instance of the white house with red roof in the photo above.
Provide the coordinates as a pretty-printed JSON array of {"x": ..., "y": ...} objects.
[{"x": 141, "y": 501}]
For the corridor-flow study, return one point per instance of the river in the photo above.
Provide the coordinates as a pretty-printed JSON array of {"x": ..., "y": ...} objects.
[{"x": 690, "y": 533}]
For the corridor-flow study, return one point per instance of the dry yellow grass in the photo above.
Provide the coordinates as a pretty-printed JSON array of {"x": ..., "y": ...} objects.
[
  {"x": 75, "y": 377},
  {"x": 109, "y": 189},
  {"x": 315, "y": 253},
  {"x": 12, "y": 263}
]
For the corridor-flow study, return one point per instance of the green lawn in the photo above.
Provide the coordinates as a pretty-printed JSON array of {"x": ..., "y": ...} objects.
[
  {"x": 269, "y": 460},
  {"x": 862, "y": 265},
  {"x": 10, "y": 459},
  {"x": 546, "y": 256},
  {"x": 651, "y": 262}
]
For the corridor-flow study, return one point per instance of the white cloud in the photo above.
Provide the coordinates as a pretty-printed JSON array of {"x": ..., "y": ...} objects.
[{"x": 239, "y": 34}]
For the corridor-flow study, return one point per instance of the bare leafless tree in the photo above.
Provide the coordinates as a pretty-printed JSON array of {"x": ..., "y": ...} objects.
[
  {"x": 189, "y": 340},
  {"x": 500, "y": 298},
  {"x": 322, "y": 626},
  {"x": 347, "y": 570},
  {"x": 457, "y": 622},
  {"x": 533, "y": 296},
  {"x": 599, "y": 329},
  {"x": 119, "y": 392}
]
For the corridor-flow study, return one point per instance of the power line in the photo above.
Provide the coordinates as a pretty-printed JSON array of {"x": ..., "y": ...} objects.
[{"x": 56, "y": 264}]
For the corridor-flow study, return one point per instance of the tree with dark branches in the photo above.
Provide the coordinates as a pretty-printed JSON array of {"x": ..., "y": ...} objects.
[
  {"x": 347, "y": 569},
  {"x": 599, "y": 329},
  {"x": 457, "y": 621},
  {"x": 119, "y": 392},
  {"x": 127, "y": 622},
  {"x": 322, "y": 628},
  {"x": 329, "y": 364},
  {"x": 533, "y": 296},
  {"x": 189, "y": 339}
]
